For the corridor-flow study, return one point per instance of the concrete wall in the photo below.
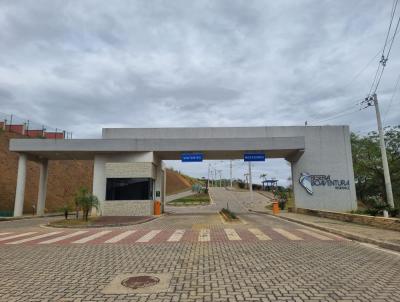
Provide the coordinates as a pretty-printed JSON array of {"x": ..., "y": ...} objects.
[{"x": 327, "y": 152}]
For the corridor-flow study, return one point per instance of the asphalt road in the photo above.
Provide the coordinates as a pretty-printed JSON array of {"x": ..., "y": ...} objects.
[{"x": 236, "y": 201}]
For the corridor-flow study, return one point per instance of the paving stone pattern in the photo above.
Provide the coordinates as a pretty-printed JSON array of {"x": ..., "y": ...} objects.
[
  {"x": 257, "y": 271},
  {"x": 249, "y": 269}
]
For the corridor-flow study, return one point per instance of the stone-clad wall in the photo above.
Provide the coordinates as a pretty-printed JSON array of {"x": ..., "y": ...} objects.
[
  {"x": 133, "y": 170},
  {"x": 379, "y": 222},
  {"x": 128, "y": 208}
]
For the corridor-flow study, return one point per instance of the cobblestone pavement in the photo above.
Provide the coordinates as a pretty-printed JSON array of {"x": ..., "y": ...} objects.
[{"x": 222, "y": 269}]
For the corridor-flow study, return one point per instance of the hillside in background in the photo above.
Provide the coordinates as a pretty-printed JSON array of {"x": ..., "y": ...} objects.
[
  {"x": 177, "y": 182},
  {"x": 64, "y": 179}
]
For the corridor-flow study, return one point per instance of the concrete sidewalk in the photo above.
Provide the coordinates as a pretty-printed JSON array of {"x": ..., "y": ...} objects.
[{"x": 380, "y": 237}]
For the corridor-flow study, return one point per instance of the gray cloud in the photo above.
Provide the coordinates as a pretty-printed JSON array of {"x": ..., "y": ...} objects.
[{"x": 83, "y": 65}]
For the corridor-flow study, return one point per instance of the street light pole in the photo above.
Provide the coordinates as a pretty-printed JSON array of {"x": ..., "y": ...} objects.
[
  {"x": 208, "y": 177},
  {"x": 386, "y": 174},
  {"x": 230, "y": 172},
  {"x": 250, "y": 183}
]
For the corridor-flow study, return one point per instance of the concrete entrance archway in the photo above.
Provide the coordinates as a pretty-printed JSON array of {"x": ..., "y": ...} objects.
[{"x": 320, "y": 157}]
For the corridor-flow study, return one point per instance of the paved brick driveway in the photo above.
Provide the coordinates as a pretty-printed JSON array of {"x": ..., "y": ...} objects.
[{"x": 280, "y": 269}]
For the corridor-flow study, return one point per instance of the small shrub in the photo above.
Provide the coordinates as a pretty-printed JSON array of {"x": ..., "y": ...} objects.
[
  {"x": 229, "y": 213},
  {"x": 86, "y": 201},
  {"x": 66, "y": 208}
]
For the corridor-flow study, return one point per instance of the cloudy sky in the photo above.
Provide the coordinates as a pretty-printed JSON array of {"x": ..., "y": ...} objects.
[{"x": 84, "y": 65}]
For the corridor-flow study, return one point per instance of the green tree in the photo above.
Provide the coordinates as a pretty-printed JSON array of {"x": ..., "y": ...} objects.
[
  {"x": 368, "y": 172},
  {"x": 86, "y": 201}
]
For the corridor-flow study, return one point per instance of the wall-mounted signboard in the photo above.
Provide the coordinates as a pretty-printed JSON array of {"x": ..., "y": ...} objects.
[
  {"x": 254, "y": 157},
  {"x": 191, "y": 157}
]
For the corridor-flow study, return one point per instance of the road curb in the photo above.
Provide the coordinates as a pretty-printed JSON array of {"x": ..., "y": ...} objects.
[
  {"x": 30, "y": 217},
  {"x": 351, "y": 236}
]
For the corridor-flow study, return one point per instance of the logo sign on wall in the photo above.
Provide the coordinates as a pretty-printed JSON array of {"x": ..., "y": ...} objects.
[
  {"x": 191, "y": 157},
  {"x": 305, "y": 182},
  {"x": 308, "y": 181},
  {"x": 254, "y": 157}
]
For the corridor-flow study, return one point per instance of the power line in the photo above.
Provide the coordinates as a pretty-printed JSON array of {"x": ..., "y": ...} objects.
[
  {"x": 341, "y": 115},
  {"x": 390, "y": 25},
  {"x": 391, "y": 99},
  {"x": 362, "y": 70},
  {"x": 385, "y": 57}
]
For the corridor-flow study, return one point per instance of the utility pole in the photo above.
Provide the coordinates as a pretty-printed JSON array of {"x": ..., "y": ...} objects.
[
  {"x": 230, "y": 172},
  {"x": 208, "y": 176},
  {"x": 250, "y": 179},
  {"x": 250, "y": 183},
  {"x": 220, "y": 177},
  {"x": 386, "y": 174}
]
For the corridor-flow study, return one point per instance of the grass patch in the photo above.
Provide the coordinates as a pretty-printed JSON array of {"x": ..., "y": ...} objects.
[{"x": 192, "y": 200}]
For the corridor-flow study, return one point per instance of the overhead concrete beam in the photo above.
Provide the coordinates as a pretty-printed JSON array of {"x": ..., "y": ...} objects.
[{"x": 38, "y": 146}]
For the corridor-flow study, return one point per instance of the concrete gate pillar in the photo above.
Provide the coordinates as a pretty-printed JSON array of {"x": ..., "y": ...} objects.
[
  {"x": 41, "y": 202},
  {"x": 163, "y": 186},
  {"x": 20, "y": 190},
  {"x": 160, "y": 183},
  {"x": 99, "y": 182}
]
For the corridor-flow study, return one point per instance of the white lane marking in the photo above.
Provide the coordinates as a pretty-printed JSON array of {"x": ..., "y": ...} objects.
[
  {"x": 17, "y": 236},
  {"x": 176, "y": 236},
  {"x": 259, "y": 234},
  {"x": 150, "y": 235},
  {"x": 91, "y": 237},
  {"x": 57, "y": 239},
  {"x": 314, "y": 234},
  {"x": 204, "y": 235},
  {"x": 287, "y": 234},
  {"x": 34, "y": 238},
  {"x": 2, "y": 234},
  {"x": 232, "y": 234},
  {"x": 120, "y": 237}
]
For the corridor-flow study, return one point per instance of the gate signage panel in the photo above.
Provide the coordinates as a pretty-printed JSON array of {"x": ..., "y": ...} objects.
[
  {"x": 191, "y": 157},
  {"x": 254, "y": 157}
]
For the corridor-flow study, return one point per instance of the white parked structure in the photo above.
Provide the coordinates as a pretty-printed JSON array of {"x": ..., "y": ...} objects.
[{"x": 128, "y": 163}]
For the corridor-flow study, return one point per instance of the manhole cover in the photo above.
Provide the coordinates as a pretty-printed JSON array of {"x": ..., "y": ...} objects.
[{"x": 140, "y": 281}]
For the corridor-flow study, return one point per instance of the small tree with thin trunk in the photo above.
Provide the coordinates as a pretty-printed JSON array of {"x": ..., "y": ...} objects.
[{"x": 86, "y": 201}]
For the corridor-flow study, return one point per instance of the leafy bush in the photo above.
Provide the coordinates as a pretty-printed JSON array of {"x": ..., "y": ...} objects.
[
  {"x": 241, "y": 184},
  {"x": 86, "y": 201},
  {"x": 66, "y": 208}
]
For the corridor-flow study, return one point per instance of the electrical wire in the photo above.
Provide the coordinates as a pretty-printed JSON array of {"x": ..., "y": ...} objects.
[
  {"x": 384, "y": 58},
  {"x": 391, "y": 99},
  {"x": 340, "y": 115},
  {"x": 362, "y": 70}
]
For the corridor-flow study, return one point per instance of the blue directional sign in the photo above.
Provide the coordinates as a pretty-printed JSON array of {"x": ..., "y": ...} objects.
[
  {"x": 254, "y": 157},
  {"x": 191, "y": 157}
]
